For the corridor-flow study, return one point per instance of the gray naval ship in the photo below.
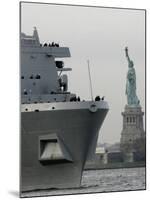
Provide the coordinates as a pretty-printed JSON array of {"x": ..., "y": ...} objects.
[{"x": 58, "y": 130}]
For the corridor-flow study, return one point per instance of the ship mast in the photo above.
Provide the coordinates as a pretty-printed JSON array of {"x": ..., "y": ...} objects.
[{"x": 91, "y": 90}]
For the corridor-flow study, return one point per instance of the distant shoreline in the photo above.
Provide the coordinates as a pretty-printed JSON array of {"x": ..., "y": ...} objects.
[{"x": 114, "y": 165}]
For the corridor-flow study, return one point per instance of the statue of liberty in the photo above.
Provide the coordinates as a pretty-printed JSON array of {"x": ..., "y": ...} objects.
[{"x": 132, "y": 98}]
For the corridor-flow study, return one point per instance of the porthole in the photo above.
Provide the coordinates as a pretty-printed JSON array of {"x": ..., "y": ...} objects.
[
  {"x": 38, "y": 76},
  {"x": 31, "y": 77},
  {"x": 25, "y": 93}
]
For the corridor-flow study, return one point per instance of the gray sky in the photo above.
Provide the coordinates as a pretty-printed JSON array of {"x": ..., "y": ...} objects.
[{"x": 100, "y": 35}]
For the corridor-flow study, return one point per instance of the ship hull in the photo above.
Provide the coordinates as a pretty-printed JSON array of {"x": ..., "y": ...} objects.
[{"x": 76, "y": 131}]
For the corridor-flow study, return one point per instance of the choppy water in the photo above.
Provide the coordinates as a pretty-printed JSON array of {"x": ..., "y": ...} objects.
[{"x": 106, "y": 180}]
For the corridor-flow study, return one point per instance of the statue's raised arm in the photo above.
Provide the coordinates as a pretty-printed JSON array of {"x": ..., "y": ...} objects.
[{"x": 127, "y": 55}]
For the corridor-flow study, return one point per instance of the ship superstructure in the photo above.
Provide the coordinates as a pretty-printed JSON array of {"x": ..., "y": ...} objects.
[{"x": 58, "y": 130}]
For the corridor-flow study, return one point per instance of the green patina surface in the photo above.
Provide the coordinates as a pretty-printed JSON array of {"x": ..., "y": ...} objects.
[{"x": 132, "y": 98}]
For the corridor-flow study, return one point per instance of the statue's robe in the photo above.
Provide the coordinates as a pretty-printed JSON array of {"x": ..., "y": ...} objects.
[{"x": 131, "y": 87}]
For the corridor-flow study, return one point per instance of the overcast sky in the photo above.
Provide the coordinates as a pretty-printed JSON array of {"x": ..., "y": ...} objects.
[{"x": 100, "y": 35}]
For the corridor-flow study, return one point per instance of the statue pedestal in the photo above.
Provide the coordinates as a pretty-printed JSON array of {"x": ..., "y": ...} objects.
[
  {"x": 128, "y": 157},
  {"x": 132, "y": 133}
]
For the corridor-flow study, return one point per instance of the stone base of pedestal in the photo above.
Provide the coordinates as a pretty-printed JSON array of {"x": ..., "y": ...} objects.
[
  {"x": 128, "y": 157},
  {"x": 132, "y": 133}
]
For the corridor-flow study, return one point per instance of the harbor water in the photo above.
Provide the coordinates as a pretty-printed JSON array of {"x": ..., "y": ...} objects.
[{"x": 107, "y": 180}]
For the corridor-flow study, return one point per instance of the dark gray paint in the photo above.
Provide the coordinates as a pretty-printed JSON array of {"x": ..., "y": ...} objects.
[{"x": 75, "y": 128}]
